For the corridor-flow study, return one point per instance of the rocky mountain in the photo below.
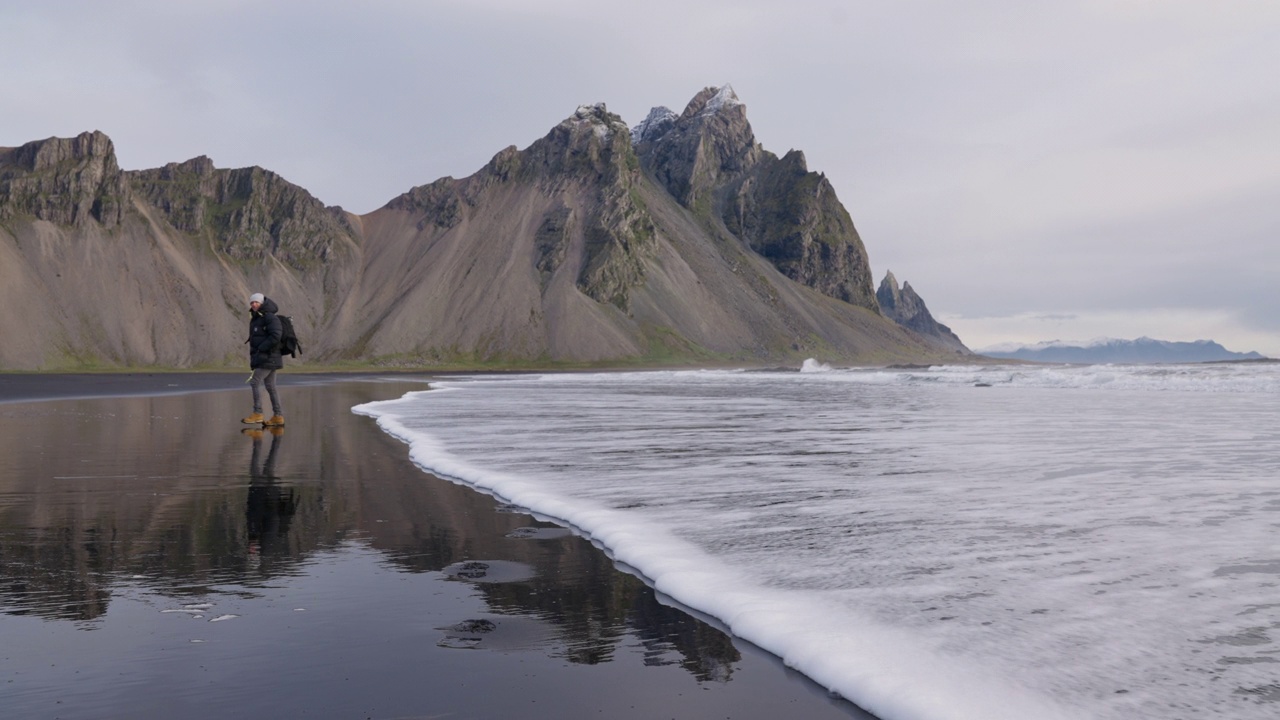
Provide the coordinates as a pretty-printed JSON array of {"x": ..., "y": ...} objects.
[
  {"x": 65, "y": 181},
  {"x": 1144, "y": 350},
  {"x": 678, "y": 241},
  {"x": 905, "y": 307},
  {"x": 247, "y": 214},
  {"x": 104, "y": 267},
  {"x": 709, "y": 161}
]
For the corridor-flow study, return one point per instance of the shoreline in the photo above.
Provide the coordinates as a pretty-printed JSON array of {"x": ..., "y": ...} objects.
[
  {"x": 392, "y": 509},
  {"x": 43, "y": 387}
]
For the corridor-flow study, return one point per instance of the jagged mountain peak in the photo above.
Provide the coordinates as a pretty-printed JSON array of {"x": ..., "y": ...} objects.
[
  {"x": 899, "y": 296},
  {"x": 717, "y": 114},
  {"x": 592, "y": 140},
  {"x": 709, "y": 146},
  {"x": 659, "y": 120},
  {"x": 712, "y": 101},
  {"x": 251, "y": 212},
  {"x": 65, "y": 181},
  {"x": 589, "y": 144},
  {"x": 798, "y": 162},
  {"x": 199, "y": 165},
  {"x": 708, "y": 159},
  {"x": 905, "y": 307},
  {"x": 41, "y": 155},
  {"x": 899, "y": 302},
  {"x": 597, "y": 116}
]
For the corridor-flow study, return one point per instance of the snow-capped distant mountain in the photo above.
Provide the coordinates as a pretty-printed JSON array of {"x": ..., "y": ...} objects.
[{"x": 1144, "y": 350}]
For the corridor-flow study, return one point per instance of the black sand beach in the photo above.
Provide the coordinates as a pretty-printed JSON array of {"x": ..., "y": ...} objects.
[{"x": 160, "y": 560}]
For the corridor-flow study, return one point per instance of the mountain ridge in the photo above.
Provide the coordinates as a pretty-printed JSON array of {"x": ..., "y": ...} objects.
[
  {"x": 1143, "y": 350},
  {"x": 576, "y": 250}
]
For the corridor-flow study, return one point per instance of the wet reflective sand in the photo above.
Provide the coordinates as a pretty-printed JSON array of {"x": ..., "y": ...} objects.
[{"x": 159, "y": 560}]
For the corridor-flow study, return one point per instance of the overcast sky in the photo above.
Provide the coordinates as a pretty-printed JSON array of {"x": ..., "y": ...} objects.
[{"x": 1037, "y": 170}]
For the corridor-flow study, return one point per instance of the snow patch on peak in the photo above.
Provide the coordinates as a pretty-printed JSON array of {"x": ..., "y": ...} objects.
[
  {"x": 725, "y": 97},
  {"x": 597, "y": 115},
  {"x": 656, "y": 124}
]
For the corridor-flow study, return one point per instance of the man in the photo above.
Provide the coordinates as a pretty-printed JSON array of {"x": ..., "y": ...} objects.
[{"x": 265, "y": 331}]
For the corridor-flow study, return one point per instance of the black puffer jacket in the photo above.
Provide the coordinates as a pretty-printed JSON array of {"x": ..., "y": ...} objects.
[{"x": 264, "y": 337}]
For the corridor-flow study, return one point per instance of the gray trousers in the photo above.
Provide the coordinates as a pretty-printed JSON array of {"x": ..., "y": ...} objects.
[{"x": 263, "y": 376}]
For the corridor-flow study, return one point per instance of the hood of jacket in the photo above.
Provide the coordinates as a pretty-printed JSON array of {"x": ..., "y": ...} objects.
[{"x": 268, "y": 307}]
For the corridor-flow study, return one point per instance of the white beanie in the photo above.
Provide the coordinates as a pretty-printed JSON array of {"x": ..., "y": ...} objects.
[{"x": 256, "y": 298}]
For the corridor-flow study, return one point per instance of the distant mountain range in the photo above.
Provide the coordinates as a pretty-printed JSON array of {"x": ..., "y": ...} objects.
[
  {"x": 1144, "y": 350},
  {"x": 679, "y": 241}
]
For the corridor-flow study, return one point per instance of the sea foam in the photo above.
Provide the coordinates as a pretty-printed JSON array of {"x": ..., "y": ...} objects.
[{"x": 951, "y": 543}]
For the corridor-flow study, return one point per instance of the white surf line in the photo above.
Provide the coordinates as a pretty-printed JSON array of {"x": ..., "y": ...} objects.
[{"x": 882, "y": 669}]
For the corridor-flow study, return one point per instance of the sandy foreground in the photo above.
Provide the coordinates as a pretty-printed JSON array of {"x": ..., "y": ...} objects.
[{"x": 160, "y": 560}]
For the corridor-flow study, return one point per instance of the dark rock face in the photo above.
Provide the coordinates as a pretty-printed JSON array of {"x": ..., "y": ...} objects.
[
  {"x": 591, "y": 144},
  {"x": 249, "y": 213},
  {"x": 709, "y": 146},
  {"x": 440, "y": 201},
  {"x": 592, "y": 148},
  {"x": 709, "y": 160},
  {"x": 65, "y": 181},
  {"x": 792, "y": 217},
  {"x": 551, "y": 242},
  {"x": 905, "y": 307}
]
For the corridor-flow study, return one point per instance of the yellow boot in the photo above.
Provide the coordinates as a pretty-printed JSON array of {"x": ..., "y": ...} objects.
[
  {"x": 253, "y": 419},
  {"x": 275, "y": 421}
]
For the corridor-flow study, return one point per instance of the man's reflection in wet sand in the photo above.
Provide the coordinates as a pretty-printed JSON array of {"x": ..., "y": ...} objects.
[{"x": 270, "y": 507}]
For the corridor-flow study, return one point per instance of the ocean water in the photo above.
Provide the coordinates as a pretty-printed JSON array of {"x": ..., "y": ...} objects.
[{"x": 957, "y": 542}]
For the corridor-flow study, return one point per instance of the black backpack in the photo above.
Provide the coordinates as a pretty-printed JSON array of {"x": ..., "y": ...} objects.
[{"x": 289, "y": 344}]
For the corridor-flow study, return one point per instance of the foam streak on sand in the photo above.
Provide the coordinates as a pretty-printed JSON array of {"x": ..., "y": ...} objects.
[{"x": 1093, "y": 543}]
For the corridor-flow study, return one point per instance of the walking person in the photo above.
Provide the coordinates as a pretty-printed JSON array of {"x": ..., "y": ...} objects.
[{"x": 265, "y": 331}]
